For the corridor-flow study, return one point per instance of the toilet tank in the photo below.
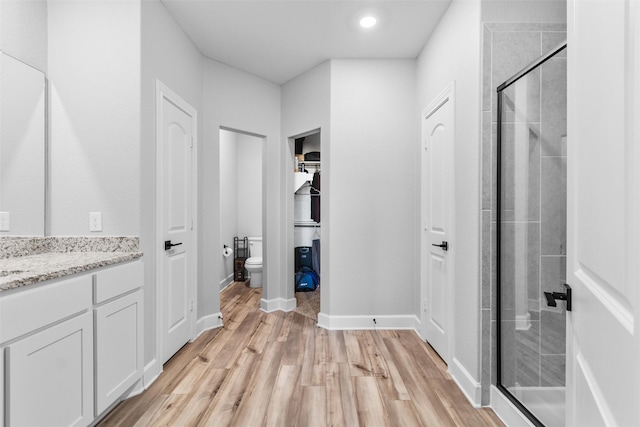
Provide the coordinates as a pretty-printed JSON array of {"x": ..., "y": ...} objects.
[{"x": 255, "y": 246}]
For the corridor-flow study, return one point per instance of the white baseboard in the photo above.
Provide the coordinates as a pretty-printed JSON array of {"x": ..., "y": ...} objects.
[
  {"x": 366, "y": 322},
  {"x": 226, "y": 282},
  {"x": 469, "y": 386},
  {"x": 506, "y": 411},
  {"x": 277, "y": 304},
  {"x": 136, "y": 389},
  {"x": 205, "y": 323},
  {"x": 152, "y": 371}
]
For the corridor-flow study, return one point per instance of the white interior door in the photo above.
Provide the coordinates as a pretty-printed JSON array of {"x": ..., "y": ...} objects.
[
  {"x": 176, "y": 134},
  {"x": 438, "y": 137},
  {"x": 603, "y": 356}
]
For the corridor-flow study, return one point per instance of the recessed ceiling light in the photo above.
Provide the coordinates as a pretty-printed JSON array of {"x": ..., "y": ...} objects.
[{"x": 368, "y": 22}]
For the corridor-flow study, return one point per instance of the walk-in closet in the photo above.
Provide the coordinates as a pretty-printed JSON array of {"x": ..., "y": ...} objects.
[{"x": 307, "y": 222}]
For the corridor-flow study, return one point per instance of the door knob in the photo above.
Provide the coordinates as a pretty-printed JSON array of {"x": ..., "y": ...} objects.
[
  {"x": 168, "y": 245},
  {"x": 564, "y": 296},
  {"x": 444, "y": 245}
]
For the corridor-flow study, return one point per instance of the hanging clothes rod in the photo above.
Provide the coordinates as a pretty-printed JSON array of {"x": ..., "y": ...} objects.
[{"x": 308, "y": 185}]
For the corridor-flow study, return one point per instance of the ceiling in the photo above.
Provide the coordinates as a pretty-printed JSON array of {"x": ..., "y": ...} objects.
[{"x": 281, "y": 39}]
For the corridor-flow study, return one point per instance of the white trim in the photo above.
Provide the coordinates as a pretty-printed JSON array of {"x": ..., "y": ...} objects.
[
  {"x": 162, "y": 92},
  {"x": 205, "y": 323},
  {"x": 469, "y": 386},
  {"x": 152, "y": 371},
  {"x": 135, "y": 390},
  {"x": 277, "y": 304},
  {"x": 225, "y": 282},
  {"x": 400, "y": 321},
  {"x": 506, "y": 411}
]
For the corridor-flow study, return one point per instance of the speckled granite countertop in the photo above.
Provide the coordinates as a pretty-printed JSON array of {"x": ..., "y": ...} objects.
[{"x": 55, "y": 260}]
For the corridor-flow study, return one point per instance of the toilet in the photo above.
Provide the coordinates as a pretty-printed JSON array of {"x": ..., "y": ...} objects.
[{"x": 253, "y": 264}]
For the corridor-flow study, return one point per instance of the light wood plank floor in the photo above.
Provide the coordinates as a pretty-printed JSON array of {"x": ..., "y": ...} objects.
[{"x": 280, "y": 369}]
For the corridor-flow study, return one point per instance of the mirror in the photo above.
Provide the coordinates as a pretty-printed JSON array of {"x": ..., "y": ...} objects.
[{"x": 22, "y": 148}]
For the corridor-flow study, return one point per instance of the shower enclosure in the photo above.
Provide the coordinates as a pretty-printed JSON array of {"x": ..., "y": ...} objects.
[{"x": 531, "y": 238}]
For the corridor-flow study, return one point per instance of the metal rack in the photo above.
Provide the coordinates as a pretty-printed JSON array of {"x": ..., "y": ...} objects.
[{"x": 241, "y": 251}]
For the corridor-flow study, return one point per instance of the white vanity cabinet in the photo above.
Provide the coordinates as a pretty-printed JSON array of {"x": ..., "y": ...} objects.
[
  {"x": 47, "y": 331},
  {"x": 49, "y": 376},
  {"x": 70, "y": 347},
  {"x": 118, "y": 325}
]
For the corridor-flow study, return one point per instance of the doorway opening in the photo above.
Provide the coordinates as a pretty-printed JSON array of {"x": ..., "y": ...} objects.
[
  {"x": 241, "y": 208},
  {"x": 305, "y": 150}
]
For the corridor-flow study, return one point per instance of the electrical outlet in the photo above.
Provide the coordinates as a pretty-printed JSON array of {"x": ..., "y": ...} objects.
[
  {"x": 95, "y": 221},
  {"x": 4, "y": 221}
]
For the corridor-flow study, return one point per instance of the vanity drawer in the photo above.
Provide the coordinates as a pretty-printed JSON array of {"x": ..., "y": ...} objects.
[
  {"x": 31, "y": 309},
  {"x": 117, "y": 280}
]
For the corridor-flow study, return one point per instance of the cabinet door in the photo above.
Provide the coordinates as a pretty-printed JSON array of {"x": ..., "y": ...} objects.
[
  {"x": 49, "y": 376},
  {"x": 2, "y": 385},
  {"x": 118, "y": 348}
]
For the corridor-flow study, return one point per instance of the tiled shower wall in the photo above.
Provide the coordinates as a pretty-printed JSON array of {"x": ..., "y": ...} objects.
[{"x": 508, "y": 48}]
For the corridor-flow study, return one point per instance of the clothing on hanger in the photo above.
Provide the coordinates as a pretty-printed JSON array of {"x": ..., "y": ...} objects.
[{"x": 315, "y": 197}]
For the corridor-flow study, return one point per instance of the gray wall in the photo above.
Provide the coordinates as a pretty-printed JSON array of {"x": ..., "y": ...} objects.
[
  {"x": 94, "y": 142},
  {"x": 167, "y": 54},
  {"x": 228, "y": 200},
  {"x": 453, "y": 54},
  {"x": 373, "y": 206}
]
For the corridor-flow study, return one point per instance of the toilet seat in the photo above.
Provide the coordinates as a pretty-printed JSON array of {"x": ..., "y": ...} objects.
[{"x": 253, "y": 261}]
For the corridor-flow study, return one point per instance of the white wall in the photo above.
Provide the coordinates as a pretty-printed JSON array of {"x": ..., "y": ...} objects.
[
  {"x": 248, "y": 173},
  {"x": 94, "y": 72},
  {"x": 237, "y": 100},
  {"x": 453, "y": 54},
  {"x": 374, "y": 211},
  {"x": 23, "y": 31},
  {"x": 168, "y": 55},
  {"x": 305, "y": 107},
  {"x": 228, "y": 199}
]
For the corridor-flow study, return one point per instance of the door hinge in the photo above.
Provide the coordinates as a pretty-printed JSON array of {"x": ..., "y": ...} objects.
[
  {"x": 191, "y": 305},
  {"x": 192, "y": 223},
  {"x": 191, "y": 142},
  {"x": 426, "y": 144}
]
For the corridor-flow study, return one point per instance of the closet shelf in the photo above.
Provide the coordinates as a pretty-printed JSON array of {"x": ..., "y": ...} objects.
[{"x": 306, "y": 224}]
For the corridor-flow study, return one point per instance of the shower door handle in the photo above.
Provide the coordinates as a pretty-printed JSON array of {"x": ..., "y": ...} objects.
[
  {"x": 564, "y": 296},
  {"x": 444, "y": 245}
]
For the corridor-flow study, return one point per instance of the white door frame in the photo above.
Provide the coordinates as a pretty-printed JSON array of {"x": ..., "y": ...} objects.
[
  {"x": 447, "y": 95},
  {"x": 163, "y": 92}
]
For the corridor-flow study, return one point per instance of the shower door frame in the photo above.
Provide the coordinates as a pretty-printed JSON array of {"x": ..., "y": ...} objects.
[{"x": 505, "y": 391}]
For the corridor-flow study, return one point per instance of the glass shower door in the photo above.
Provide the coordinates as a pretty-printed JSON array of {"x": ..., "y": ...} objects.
[{"x": 532, "y": 238}]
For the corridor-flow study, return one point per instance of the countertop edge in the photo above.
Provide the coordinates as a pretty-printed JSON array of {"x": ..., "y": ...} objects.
[{"x": 110, "y": 259}]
